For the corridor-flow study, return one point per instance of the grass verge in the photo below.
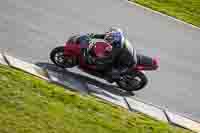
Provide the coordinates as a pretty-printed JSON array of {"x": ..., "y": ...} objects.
[
  {"x": 186, "y": 10},
  {"x": 31, "y": 105}
]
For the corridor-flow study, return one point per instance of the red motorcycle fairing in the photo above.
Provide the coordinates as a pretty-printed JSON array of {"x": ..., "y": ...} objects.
[
  {"x": 74, "y": 49},
  {"x": 99, "y": 49},
  {"x": 146, "y": 63}
]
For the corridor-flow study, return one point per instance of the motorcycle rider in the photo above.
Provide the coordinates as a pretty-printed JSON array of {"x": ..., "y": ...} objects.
[{"x": 121, "y": 57}]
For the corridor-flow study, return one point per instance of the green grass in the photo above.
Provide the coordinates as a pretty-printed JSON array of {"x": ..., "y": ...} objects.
[
  {"x": 31, "y": 105},
  {"x": 186, "y": 10}
]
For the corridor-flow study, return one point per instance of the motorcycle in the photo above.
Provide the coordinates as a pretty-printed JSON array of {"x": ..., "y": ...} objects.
[{"x": 69, "y": 56}]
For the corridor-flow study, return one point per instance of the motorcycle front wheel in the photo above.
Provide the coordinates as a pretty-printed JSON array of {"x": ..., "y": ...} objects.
[
  {"x": 58, "y": 58},
  {"x": 133, "y": 81}
]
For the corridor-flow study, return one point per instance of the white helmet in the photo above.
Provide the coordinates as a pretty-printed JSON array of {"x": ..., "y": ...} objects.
[
  {"x": 115, "y": 29},
  {"x": 116, "y": 35}
]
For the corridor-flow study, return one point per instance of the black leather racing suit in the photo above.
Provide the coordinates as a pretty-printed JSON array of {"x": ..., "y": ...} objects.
[{"x": 122, "y": 60}]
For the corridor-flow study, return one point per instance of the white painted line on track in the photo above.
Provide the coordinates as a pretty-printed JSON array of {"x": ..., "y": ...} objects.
[{"x": 165, "y": 15}]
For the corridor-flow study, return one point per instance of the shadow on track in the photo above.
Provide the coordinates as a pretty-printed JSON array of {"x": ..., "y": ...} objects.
[{"x": 81, "y": 81}]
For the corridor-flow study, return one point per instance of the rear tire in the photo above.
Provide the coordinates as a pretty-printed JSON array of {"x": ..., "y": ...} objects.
[
  {"x": 133, "y": 81},
  {"x": 58, "y": 58}
]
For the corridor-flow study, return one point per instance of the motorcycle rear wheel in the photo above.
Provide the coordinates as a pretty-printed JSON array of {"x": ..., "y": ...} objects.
[
  {"x": 133, "y": 81},
  {"x": 58, "y": 58}
]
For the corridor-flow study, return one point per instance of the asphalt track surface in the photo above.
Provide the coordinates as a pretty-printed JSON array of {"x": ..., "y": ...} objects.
[{"x": 31, "y": 28}]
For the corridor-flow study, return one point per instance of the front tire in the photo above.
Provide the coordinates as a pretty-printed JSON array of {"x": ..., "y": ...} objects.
[
  {"x": 58, "y": 58},
  {"x": 133, "y": 81}
]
